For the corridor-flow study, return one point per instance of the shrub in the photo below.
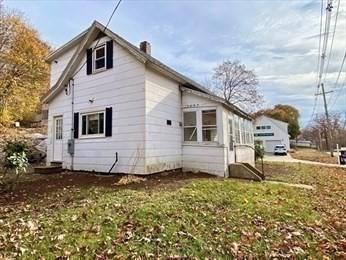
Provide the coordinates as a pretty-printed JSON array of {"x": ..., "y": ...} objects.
[
  {"x": 11, "y": 148},
  {"x": 259, "y": 152},
  {"x": 15, "y": 161}
]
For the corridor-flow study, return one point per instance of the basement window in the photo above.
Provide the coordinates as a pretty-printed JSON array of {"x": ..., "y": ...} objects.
[
  {"x": 190, "y": 127},
  {"x": 100, "y": 58},
  {"x": 209, "y": 129},
  {"x": 93, "y": 124}
]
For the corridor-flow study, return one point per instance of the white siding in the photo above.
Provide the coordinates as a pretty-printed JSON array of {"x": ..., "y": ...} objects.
[
  {"x": 203, "y": 157},
  {"x": 163, "y": 142},
  {"x": 121, "y": 88},
  {"x": 278, "y": 129},
  {"x": 58, "y": 65}
]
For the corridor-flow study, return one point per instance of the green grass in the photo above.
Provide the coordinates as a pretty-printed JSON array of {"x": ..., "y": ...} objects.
[{"x": 205, "y": 218}]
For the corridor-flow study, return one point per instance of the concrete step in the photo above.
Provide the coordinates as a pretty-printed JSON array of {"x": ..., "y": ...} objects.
[
  {"x": 241, "y": 171},
  {"x": 54, "y": 163},
  {"x": 255, "y": 170},
  {"x": 47, "y": 169}
]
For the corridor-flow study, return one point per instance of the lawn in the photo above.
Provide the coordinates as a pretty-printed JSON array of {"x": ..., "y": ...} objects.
[
  {"x": 313, "y": 155},
  {"x": 178, "y": 216}
]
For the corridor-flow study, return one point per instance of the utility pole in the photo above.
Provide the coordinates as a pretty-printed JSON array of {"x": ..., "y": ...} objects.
[
  {"x": 329, "y": 137},
  {"x": 329, "y": 128}
]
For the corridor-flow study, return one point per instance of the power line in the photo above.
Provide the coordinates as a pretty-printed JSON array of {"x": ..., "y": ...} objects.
[
  {"x": 337, "y": 82},
  {"x": 319, "y": 41},
  {"x": 318, "y": 66},
  {"x": 331, "y": 45},
  {"x": 96, "y": 45}
]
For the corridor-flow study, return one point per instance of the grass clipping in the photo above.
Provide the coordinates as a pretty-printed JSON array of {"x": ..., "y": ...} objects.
[{"x": 129, "y": 179}]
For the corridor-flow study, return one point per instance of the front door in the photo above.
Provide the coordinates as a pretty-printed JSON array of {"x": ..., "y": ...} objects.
[{"x": 57, "y": 139}]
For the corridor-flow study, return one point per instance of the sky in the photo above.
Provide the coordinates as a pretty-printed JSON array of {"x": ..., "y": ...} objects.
[{"x": 278, "y": 39}]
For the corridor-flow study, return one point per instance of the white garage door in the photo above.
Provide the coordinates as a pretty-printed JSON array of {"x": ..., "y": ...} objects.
[{"x": 270, "y": 145}]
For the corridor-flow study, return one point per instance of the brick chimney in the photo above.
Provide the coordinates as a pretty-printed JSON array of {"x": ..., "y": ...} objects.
[{"x": 145, "y": 47}]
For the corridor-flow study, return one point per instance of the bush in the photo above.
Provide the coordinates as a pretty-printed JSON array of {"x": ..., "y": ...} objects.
[
  {"x": 259, "y": 152},
  {"x": 15, "y": 161},
  {"x": 11, "y": 148}
]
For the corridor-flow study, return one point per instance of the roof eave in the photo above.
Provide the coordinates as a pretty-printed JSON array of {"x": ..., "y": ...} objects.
[
  {"x": 61, "y": 50},
  {"x": 217, "y": 99}
]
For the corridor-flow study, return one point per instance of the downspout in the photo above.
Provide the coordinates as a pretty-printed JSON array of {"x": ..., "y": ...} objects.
[{"x": 72, "y": 119}]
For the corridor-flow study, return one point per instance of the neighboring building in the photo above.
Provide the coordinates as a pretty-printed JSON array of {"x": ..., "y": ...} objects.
[
  {"x": 107, "y": 96},
  {"x": 270, "y": 132},
  {"x": 302, "y": 144}
]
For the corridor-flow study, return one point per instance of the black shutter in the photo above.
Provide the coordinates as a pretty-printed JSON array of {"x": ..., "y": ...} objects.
[
  {"x": 75, "y": 125},
  {"x": 108, "y": 121},
  {"x": 109, "y": 54},
  {"x": 89, "y": 57}
]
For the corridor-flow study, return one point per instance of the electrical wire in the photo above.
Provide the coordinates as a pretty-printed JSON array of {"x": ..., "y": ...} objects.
[
  {"x": 98, "y": 41},
  {"x": 331, "y": 45},
  {"x": 318, "y": 67},
  {"x": 337, "y": 90}
]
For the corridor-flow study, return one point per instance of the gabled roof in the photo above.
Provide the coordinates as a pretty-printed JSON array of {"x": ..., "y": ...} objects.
[
  {"x": 84, "y": 39},
  {"x": 273, "y": 119}
]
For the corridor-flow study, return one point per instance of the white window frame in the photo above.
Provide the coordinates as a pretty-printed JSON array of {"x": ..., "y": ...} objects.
[
  {"x": 237, "y": 132},
  {"x": 86, "y": 135},
  {"x": 103, "y": 46},
  {"x": 195, "y": 126},
  {"x": 58, "y": 128},
  {"x": 199, "y": 125},
  {"x": 209, "y": 126},
  {"x": 231, "y": 141}
]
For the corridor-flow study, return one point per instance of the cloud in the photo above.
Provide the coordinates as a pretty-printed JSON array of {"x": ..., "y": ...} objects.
[{"x": 278, "y": 39}]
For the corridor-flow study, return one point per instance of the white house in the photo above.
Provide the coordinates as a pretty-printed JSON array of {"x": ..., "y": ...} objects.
[
  {"x": 270, "y": 132},
  {"x": 109, "y": 97}
]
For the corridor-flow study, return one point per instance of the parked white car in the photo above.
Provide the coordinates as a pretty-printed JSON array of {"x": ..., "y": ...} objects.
[{"x": 280, "y": 149}]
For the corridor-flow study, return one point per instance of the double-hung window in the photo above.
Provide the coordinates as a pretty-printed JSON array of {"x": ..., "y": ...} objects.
[
  {"x": 100, "y": 58},
  {"x": 209, "y": 129},
  {"x": 237, "y": 130},
  {"x": 230, "y": 134},
  {"x": 190, "y": 126},
  {"x": 93, "y": 124}
]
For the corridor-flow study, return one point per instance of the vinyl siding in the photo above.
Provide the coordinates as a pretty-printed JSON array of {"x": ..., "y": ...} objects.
[
  {"x": 122, "y": 88},
  {"x": 163, "y": 142},
  {"x": 58, "y": 65},
  {"x": 279, "y": 129},
  {"x": 202, "y": 157}
]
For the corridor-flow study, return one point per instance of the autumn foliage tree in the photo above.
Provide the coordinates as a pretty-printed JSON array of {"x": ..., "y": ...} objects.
[
  {"x": 285, "y": 113},
  {"x": 24, "y": 74},
  {"x": 237, "y": 85}
]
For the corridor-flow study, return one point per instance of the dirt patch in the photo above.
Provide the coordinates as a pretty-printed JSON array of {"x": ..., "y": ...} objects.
[{"x": 39, "y": 186}]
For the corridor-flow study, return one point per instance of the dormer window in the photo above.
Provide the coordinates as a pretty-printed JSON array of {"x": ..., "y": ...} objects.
[{"x": 100, "y": 58}]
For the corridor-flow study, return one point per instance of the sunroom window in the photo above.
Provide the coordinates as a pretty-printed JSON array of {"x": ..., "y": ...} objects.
[
  {"x": 190, "y": 127},
  {"x": 237, "y": 130},
  {"x": 93, "y": 124},
  {"x": 100, "y": 58},
  {"x": 230, "y": 134},
  {"x": 209, "y": 129}
]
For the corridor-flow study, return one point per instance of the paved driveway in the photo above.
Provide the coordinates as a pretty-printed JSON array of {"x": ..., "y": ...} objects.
[
  {"x": 279, "y": 158},
  {"x": 288, "y": 158}
]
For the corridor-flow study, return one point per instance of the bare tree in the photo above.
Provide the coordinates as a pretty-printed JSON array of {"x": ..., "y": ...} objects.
[
  {"x": 237, "y": 85},
  {"x": 317, "y": 131}
]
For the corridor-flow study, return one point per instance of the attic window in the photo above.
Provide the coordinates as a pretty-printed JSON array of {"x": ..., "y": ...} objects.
[{"x": 100, "y": 58}]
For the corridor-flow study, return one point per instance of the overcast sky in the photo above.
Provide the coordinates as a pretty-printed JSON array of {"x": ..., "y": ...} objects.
[{"x": 276, "y": 38}]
